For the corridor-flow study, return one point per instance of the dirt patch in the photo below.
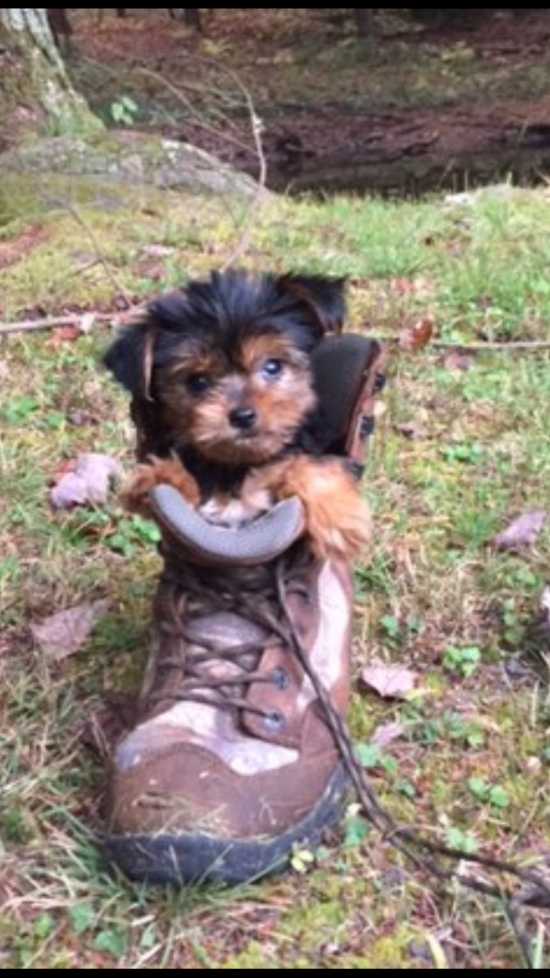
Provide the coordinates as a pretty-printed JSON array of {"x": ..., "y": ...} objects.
[
  {"x": 17, "y": 248},
  {"x": 427, "y": 106}
]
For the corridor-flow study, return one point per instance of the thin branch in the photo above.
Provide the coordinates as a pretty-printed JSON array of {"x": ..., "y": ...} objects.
[
  {"x": 100, "y": 256},
  {"x": 177, "y": 92},
  {"x": 526, "y": 346},
  {"x": 243, "y": 241},
  {"x": 521, "y": 346},
  {"x": 256, "y": 123},
  {"x": 53, "y": 322}
]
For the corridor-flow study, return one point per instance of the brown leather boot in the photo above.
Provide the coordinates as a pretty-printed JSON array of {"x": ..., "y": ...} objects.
[{"x": 232, "y": 764}]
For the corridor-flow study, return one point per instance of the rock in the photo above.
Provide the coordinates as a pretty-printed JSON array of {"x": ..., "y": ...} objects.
[{"x": 130, "y": 157}]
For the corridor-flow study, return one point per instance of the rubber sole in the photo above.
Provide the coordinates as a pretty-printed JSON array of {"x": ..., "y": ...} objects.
[{"x": 196, "y": 859}]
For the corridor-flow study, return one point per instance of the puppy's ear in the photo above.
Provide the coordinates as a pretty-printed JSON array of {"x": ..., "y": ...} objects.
[
  {"x": 323, "y": 295},
  {"x": 130, "y": 358}
]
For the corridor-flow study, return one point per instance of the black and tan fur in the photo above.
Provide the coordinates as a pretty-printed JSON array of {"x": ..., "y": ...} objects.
[{"x": 225, "y": 406}]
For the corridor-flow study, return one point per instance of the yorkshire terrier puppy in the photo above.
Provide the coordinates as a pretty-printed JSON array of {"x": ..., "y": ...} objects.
[{"x": 225, "y": 407}]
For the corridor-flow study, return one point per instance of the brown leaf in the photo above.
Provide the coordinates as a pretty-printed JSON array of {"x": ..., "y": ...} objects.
[
  {"x": 61, "y": 335},
  {"x": 88, "y": 483},
  {"x": 391, "y": 682},
  {"x": 386, "y": 733},
  {"x": 64, "y": 634},
  {"x": 417, "y": 335},
  {"x": 522, "y": 532}
]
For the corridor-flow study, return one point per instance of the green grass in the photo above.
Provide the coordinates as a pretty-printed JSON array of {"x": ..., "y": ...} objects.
[{"x": 472, "y": 764}]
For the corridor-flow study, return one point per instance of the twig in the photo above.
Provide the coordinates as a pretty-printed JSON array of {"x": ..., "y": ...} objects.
[
  {"x": 521, "y": 346},
  {"x": 256, "y": 127},
  {"x": 100, "y": 256},
  {"x": 33, "y": 325},
  {"x": 177, "y": 92},
  {"x": 526, "y": 346},
  {"x": 256, "y": 123}
]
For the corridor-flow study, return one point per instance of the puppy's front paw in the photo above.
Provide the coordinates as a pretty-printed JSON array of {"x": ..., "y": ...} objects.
[
  {"x": 337, "y": 519},
  {"x": 338, "y": 527},
  {"x": 159, "y": 471}
]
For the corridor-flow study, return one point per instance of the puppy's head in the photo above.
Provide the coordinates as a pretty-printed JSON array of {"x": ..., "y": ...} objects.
[{"x": 224, "y": 363}]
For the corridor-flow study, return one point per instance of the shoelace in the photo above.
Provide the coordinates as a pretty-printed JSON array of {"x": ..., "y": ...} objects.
[
  {"x": 535, "y": 891},
  {"x": 196, "y": 682},
  {"x": 268, "y": 608}
]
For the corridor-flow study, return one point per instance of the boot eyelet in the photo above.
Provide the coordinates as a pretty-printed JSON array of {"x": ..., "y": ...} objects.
[
  {"x": 367, "y": 426},
  {"x": 281, "y": 679},
  {"x": 274, "y": 722}
]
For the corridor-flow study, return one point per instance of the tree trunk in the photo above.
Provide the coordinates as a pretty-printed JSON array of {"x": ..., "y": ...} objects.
[
  {"x": 364, "y": 19},
  {"x": 36, "y": 94},
  {"x": 193, "y": 17},
  {"x": 60, "y": 27}
]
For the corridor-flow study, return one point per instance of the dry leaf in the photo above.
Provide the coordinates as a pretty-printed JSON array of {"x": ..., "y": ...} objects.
[
  {"x": 4, "y": 370},
  {"x": 522, "y": 532},
  {"x": 417, "y": 335},
  {"x": 386, "y": 733},
  {"x": 64, "y": 634},
  {"x": 63, "y": 334},
  {"x": 88, "y": 483},
  {"x": 391, "y": 682},
  {"x": 157, "y": 251}
]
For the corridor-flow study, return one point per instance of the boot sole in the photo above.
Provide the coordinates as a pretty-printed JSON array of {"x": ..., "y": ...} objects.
[{"x": 194, "y": 858}]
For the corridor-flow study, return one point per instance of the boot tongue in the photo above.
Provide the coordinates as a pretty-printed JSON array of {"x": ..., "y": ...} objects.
[{"x": 257, "y": 542}]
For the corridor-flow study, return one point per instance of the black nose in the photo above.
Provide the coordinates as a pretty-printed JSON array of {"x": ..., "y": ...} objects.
[{"x": 243, "y": 418}]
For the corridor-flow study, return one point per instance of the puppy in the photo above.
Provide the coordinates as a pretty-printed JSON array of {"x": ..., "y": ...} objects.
[{"x": 225, "y": 407}]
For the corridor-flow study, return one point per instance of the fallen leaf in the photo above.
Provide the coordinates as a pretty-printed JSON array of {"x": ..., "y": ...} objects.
[
  {"x": 391, "y": 682},
  {"x": 522, "y": 532},
  {"x": 4, "y": 370},
  {"x": 63, "y": 334},
  {"x": 88, "y": 483},
  {"x": 386, "y": 733},
  {"x": 63, "y": 634},
  {"x": 157, "y": 251},
  {"x": 417, "y": 335}
]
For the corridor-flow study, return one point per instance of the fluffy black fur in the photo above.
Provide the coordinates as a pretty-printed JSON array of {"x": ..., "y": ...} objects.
[{"x": 226, "y": 309}]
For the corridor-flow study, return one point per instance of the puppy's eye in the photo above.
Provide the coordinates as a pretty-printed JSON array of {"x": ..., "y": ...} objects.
[
  {"x": 272, "y": 368},
  {"x": 198, "y": 383}
]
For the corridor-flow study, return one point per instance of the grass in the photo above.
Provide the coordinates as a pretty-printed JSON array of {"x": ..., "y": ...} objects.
[{"x": 471, "y": 764}]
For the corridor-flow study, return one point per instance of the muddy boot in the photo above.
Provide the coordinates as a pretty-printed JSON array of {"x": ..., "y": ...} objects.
[{"x": 232, "y": 764}]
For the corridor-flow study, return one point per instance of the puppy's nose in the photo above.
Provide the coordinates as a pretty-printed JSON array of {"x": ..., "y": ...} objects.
[{"x": 243, "y": 418}]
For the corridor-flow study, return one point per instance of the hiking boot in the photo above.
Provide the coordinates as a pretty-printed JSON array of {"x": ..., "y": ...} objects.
[{"x": 232, "y": 763}]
